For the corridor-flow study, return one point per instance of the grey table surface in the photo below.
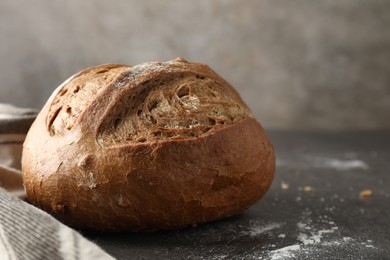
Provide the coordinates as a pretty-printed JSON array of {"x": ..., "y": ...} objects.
[{"x": 312, "y": 211}]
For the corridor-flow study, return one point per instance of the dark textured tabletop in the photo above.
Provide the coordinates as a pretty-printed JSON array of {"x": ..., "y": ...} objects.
[{"x": 330, "y": 199}]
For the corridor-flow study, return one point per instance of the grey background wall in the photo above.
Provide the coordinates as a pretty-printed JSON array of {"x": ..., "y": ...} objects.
[{"x": 299, "y": 64}]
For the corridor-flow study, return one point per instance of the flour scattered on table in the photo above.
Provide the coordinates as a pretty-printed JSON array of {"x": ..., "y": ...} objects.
[
  {"x": 284, "y": 253},
  {"x": 310, "y": 234},
  {"x": 309, "y": 161},
  {"x": 316, "y": 238},
  {"x": 309, "y": 237},
  {"x": 345, "y": 164},
  {"x": 256, "y": 230},
  {"x": 368, "y": 244}
]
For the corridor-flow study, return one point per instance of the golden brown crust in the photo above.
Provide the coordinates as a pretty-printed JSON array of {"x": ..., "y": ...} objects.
[{"x": 103, "y": 167}]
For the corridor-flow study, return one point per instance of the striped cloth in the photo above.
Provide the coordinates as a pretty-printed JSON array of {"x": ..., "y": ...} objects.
[{"x": 25, "y": 231}]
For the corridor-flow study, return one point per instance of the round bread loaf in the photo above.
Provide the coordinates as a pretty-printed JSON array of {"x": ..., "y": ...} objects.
[{"x": 161, "y": 145}]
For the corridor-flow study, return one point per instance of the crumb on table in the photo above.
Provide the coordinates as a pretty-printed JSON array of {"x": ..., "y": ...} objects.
[
  {"x": 307, "y": 189},
  {"x": 284, "y": 185},
  {"x": 365, "y": 193}
]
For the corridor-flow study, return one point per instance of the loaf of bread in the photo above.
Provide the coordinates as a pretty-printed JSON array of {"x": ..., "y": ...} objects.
[{"x": 160, "y": 145}]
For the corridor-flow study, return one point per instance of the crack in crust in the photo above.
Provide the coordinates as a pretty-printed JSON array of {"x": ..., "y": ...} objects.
[
  {"x": 146, "y": 104},
  {"x": 72, "y": 98},
  {"x": 173, "y": 107}
]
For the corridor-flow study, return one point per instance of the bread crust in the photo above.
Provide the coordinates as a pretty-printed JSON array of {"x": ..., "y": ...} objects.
[{"x": 90, "y": 176}]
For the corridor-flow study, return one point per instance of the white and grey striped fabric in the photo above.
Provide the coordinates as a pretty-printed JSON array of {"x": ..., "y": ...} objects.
[{"x": 25, "y": 231}]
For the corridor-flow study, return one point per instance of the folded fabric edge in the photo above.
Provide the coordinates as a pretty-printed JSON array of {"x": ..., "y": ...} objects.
[{"x": 26, "y": 229}]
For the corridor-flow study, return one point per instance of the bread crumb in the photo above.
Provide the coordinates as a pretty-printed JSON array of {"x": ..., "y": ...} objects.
[
  {"x": 284, "y": 185},
  {"x": 365, "y": 193},
  {"x": 307, "y": 189}
]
